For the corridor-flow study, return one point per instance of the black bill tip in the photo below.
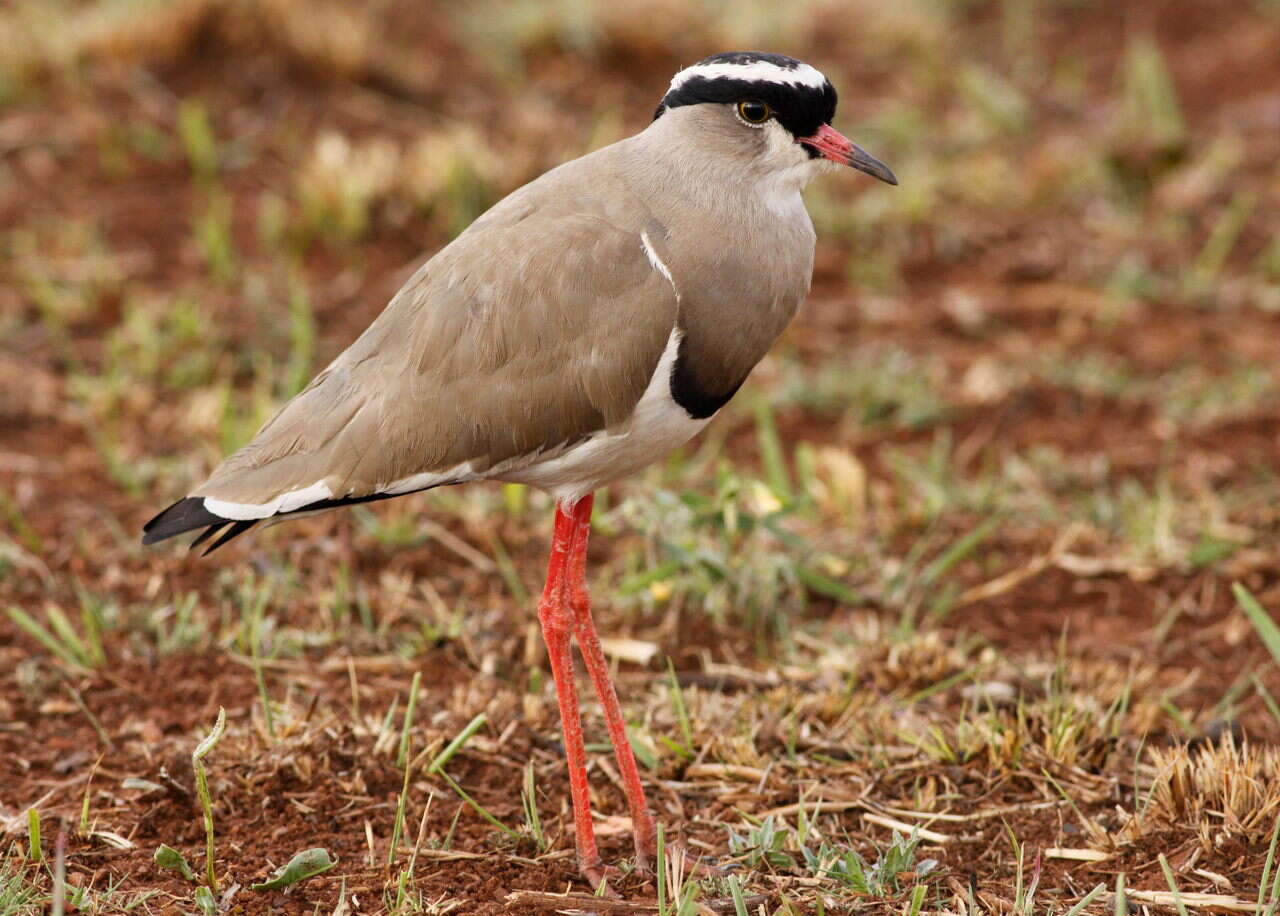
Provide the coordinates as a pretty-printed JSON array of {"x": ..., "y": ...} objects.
[{"x": 863, "y": 161}]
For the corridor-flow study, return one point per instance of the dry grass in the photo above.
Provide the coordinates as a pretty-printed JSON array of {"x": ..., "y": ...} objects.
[{"x": 947, "y": 593}]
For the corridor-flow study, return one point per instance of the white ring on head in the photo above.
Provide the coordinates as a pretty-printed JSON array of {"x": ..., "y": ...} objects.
[{"x": 761, "y": 71}]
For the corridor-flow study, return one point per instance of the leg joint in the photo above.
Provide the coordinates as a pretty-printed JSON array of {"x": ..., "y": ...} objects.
[{"x": 556, "y": 617}]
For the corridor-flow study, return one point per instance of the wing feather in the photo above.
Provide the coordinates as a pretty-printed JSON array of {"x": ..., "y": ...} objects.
[{"x": 539, "y": 326}]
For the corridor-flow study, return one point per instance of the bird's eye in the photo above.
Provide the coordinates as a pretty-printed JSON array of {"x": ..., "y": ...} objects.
[{"x": 754, "y": 111}]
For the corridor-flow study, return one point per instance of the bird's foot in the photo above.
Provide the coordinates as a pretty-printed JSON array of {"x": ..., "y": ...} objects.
[
  {"x": 646, "y": 850},
  {"x": 694, "y": 865},
  {"x": 598, "y": 875},
  {"x": 691, "y": 864}
]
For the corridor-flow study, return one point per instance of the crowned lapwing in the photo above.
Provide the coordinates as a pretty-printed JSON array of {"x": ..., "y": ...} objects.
[{"x": 582, "y": 328}]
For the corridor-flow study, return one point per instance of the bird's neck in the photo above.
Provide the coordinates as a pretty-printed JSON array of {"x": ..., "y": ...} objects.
[{"x": 680, "y": 178}]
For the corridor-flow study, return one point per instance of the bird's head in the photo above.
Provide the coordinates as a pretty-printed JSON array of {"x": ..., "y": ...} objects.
[{"x": 774, "y": 109}]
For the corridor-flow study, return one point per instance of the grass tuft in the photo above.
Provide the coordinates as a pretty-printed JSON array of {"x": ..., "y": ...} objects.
[{"x": 202, "y": 790}]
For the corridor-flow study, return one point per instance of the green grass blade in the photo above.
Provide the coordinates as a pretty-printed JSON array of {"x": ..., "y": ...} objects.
[
  {"x": 529, "y": 801},
  {"x": 35, "y": 852},
  {"x": 682, "y": 712},
  {"x": 829, "y": 588},
  {"x": 402, "y": 756},
  {"x": 1261, "y": 620},
  {"x": 202, "y": 789},
  {"x": 1267, "y": 699},
  {"x": 771, "y": 454},
  {"x": 1086, "y": 900},
  {"x": 397, "y": 828},
  {"x": 456, "y": 744},
  {"x": 1266, "y": 872},
  {"x": 917, "y": 900},
  {"x": 1173, "y": 885},
  {"x": 954, "y": 554},
  {"x": 735, "y": 892},
  {"x": 507, "y": 569},
  {"x": 660, "y": 867},
  {"x": 33, "y": 629},
  {"x": 478, "y": 808}
]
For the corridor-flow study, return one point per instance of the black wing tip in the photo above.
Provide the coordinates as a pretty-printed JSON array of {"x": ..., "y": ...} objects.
[
  {"x": 204, "y": 536},
  {"x": 184, "y": 515},
  {"x": 236, "y": 529},
  {"x": 188, "y": 515}
]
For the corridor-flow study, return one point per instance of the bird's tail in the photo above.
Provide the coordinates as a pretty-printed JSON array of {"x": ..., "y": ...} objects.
[{"x": 188, "y": 515}]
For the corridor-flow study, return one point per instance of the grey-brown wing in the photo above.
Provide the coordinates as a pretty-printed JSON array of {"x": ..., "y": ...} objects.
[{"x": 521, "y": 337}]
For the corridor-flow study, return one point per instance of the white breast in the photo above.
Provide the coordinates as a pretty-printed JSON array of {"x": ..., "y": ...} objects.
[{"x": 657, "y": 426}]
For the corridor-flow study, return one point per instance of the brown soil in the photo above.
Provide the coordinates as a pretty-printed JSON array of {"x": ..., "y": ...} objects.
[{"x": 67, "y": 733}]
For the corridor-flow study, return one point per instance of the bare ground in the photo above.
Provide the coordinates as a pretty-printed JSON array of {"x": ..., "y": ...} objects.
[{"x": 1071, "y": 334}]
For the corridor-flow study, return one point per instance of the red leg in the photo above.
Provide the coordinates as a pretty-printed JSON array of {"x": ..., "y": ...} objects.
[
  {"x": 557, "y": 619},
  {"x": 589, "y": 644}
]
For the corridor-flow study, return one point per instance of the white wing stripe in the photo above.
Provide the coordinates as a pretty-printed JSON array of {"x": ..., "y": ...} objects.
[
  {"x": 656, "y": 261},
  {"x": 461, "y": 473},
  {"x": 285, "y": 502},
  {"x": 294, "y": 500}
]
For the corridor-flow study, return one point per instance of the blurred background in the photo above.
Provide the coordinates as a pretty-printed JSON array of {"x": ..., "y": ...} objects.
[{"x": 1027, "y": 422}]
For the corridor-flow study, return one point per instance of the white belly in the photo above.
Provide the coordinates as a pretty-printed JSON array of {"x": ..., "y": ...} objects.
[{"x": 657, "y": 426}]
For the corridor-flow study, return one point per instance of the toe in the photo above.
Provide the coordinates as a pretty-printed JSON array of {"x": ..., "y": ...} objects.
[
  {"x": 646, "y": 852},
  {"x": 597, "y": 873},
  {"x": 698, "y": 865}
]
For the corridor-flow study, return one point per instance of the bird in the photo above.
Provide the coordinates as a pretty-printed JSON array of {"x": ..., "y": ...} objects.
[{"x": 580, "y": 329}]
